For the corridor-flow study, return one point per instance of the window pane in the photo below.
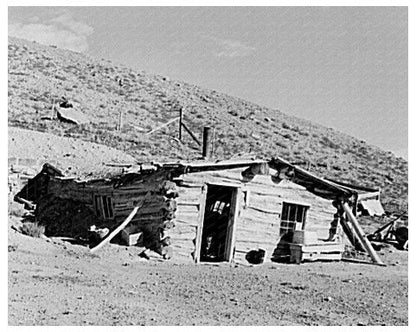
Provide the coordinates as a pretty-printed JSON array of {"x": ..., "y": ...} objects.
[
  {"x": 105, "y": 206},
  {"x": 299, "y": 215},
  {"x": 285, "y": 211},
  {"x": 292, "y": 213},
  {"x": 304, "y": 214},
  {"x": 97, "y": 205},
  {"x": 110, "y": 207}
]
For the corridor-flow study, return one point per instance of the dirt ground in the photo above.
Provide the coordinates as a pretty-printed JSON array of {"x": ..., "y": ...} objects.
[
  {"x": 72, "y": 156},
  {"x": 52, "y": 282}
]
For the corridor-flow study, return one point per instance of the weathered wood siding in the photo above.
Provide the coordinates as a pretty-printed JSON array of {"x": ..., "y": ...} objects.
[{"x": 258, "y": 222}]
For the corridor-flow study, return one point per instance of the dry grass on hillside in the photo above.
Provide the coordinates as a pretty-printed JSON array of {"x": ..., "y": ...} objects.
[{"x": 39, "y": 75}]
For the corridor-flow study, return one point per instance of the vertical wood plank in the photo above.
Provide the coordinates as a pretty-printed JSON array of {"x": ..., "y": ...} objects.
[
  {"x": 180, "y": 123},
  {"x": 198, "y": 241},
  {"x": 232, "y": 225}
]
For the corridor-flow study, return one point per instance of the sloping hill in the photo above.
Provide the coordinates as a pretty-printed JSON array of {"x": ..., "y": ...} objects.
[{"x": 40, "y": 75}]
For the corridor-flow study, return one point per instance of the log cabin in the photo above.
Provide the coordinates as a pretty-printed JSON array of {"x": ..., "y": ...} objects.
[{"x": 242, "y": 211}]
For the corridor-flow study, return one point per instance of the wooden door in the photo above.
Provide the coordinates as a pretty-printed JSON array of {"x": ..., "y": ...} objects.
[{"x": 232, "y": 224}]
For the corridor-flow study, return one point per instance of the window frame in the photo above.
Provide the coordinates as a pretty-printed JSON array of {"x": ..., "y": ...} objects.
[
  {"x": 104, "y": 207},
  {"x": 293, "y": 217}
]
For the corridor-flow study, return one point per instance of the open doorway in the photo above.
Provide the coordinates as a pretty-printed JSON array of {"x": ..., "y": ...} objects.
[{"x": 218, "y": 224}]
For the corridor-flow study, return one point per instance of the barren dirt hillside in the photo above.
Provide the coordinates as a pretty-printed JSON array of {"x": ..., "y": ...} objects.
[{"x": 40, "y": 76}]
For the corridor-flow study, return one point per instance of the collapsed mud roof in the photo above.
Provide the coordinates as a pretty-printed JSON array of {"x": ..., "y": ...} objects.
[{"x": 245, "y": 207}]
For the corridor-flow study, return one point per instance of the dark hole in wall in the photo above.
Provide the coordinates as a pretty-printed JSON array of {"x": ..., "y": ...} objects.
[
  {"x": 255, "y": 256},
  {"x": 216, "y": 218}
]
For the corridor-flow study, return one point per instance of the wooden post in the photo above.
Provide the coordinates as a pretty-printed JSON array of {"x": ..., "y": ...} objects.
[
  {"x": 206, "y": 142},
  {"x": 364, "y": 241},
  {"x": 120, "y": 120},
  {"x": 351, "y": 236},
  {"x": 180, "y": 123},
  {"x": 191, "y": 134},
  {"x": 53, "y": 109}
]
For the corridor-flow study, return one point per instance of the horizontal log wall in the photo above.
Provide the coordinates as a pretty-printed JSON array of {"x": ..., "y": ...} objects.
[
  {"x": 258, "y": 224},
  {"x": 150, "y": 219},
  {"x": 188, "y": 212}
]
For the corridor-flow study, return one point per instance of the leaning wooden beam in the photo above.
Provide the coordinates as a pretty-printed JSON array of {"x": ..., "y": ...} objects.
[
  {"x": 361, "y": 235},
  {"x": 162, "y": 126},
  {"x": 30, "y": 204},
  {"x": 118, "y": 165},
  {"x": 190, "y": 133},
  {"x": 122, "y": 225},
  {"x": 351, "y": 236}
]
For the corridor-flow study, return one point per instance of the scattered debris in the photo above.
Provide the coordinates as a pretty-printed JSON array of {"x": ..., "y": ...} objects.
[
  {"x": 394, "y": 232},
  {"x": 71, "y": 115},
  {"x": 65, "y": 103},
  {"x": 12, "y": 248}
]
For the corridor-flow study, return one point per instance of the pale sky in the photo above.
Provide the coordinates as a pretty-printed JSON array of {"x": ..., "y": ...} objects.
[{"x": 342, "y": 67}]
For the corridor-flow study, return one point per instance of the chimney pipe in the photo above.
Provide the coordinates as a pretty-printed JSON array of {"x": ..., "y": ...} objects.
[{"x": 206, "y": 142}]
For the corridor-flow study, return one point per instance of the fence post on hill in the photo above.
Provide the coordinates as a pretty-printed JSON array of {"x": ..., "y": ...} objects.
[
  {"x": 120, "y": 120},
  {"x": 180, "y": 123},
  {"x": 53, "y": 109},
  {"x": 206, "y": 142}
]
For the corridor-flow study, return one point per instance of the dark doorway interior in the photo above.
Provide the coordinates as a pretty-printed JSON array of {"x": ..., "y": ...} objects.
[{"x": 215, "y": 237}]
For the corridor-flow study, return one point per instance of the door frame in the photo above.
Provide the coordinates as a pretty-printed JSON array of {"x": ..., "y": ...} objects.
[{"x": 232, "y": 221}]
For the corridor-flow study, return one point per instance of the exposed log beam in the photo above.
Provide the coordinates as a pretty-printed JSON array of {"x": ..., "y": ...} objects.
[{"x": 364, "y": 241}]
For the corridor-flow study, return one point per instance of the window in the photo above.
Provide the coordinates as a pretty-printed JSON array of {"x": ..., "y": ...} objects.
[
  {"x": 219, "y": 206},
  {"x": 293, "y": 217},
  {"x": 103, "y": 206}
]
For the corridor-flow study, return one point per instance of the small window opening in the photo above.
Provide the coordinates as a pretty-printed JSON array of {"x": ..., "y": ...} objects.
[
  {"x": 293, "y": 217},
  {"x": 104, "y": 206}
]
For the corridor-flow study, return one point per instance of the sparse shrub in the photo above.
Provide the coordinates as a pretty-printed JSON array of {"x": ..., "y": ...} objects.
[
  {"x": 146, "y": 106},
  {"x": 16, "y": 209},
  {"x": 327, "y": 142},
  {"x": 242, "y": 135},
  {"x": 59, "y": 77},
  {"x": 32, "y": 229},
  {"x": 282, "y": 145}
]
